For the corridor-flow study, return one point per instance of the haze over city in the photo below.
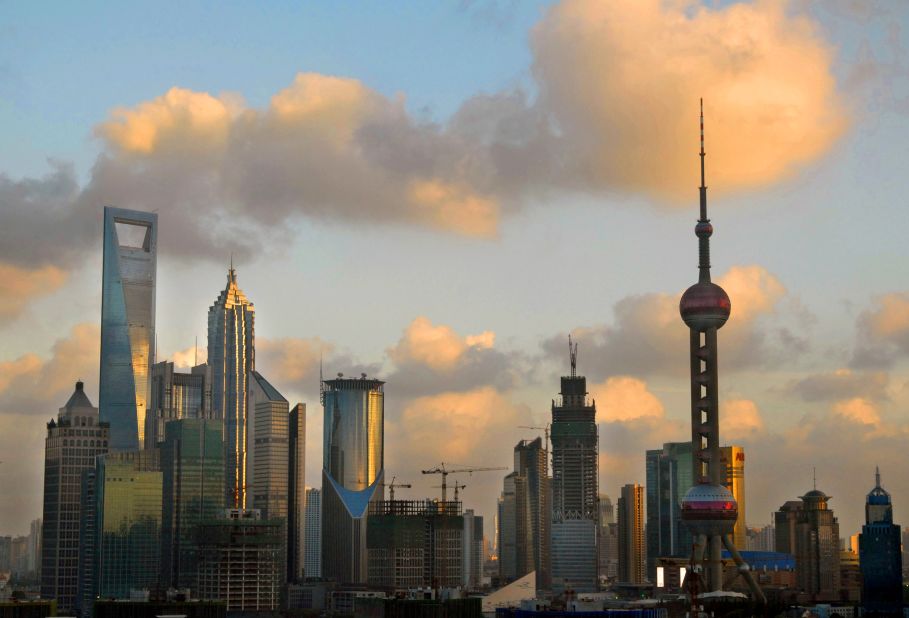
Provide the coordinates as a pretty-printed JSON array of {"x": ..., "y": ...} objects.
[{"x": 437, "y": 195}]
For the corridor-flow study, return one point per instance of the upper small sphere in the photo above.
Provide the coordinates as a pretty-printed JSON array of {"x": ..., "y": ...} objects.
[
  {"x": 703, "y": 229},
  {"x": 705, "y": 305}
]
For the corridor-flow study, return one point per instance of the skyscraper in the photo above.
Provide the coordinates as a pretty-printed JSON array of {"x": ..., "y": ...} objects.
[
  {"x": 733, "y": 461},
  {"x": 296, "y": 494},
  {"x": 192, "y": 465},
  {"x": 128, "y": 520},
  {"x": 231, "y": 356},
  {"x": 879, "y": 555},
  {"x": 72, "y": 443},
  {"x": 312, "y": 537},
  {"x": 709, "y": 509},
  {"x": 472, "y": 551},
  {"x": 574, "y": 485},
  {"x": 817, "y": 548},
  {"x": 785, "y": 520},
  {"x": 528, "y": 513},
  {"x": 353, "y": 462},
  {"x": 127, "y": 323},
  {"x": 176, "y": 395},
  {"x": 631, "y": 535},
  {"x": 267, "y": 446}
]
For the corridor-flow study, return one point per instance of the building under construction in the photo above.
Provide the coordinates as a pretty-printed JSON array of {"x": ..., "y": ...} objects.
[{"x": 414, "y": 544}]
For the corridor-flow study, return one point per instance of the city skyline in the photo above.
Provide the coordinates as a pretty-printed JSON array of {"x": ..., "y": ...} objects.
[{"x": 814, "y": 360}]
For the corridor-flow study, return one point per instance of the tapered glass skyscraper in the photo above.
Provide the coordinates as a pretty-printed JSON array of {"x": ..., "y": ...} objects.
[
  {"x": 127, "y": 323},
  {"x": 231, "y": 356}
]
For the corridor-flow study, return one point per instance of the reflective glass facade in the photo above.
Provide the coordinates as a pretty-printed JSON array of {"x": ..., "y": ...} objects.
[
  {"x": 192, "y": 465},
  {"x": 296, "y": 493},
  {"x": 127, "y": 323},
  {"x": 268, "y": 456},
  {"x": 352, "y": 472},
  {"x": 176, "y": 395},
  {"x": 128, "y": 518},
  {"x": 231, "y": 356}
]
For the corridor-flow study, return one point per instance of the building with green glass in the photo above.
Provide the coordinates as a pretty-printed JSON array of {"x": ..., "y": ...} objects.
[
  {"x": 128, "y": 520},
  {"x": 192, "y": 467}
]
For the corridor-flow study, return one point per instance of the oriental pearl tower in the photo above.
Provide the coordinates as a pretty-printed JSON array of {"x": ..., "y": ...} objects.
[{"x": 709, "y": 510}]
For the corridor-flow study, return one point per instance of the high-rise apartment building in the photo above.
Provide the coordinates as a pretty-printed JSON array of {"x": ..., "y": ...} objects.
[
  {"x": 128, "y": 520},
  {"x": 176, "y": 395},
  {"x": 631, "y": 535},
  {"x": 268, "y": 432},
  {"x": 472, "y": 551},
  {"x": 192, "y": 466},
  {"x": 312, "y": 536},
  {"x": 72, "y": 443},
  {"x": 231, "y": 357},
  {"x": 575, "y": 512},
  {"x": 817, "y": 548},
  {"x": 296, "y": 494},
  {"x": 353, "y": 461},
  {"x": 127, "y": 323},
  {"x": 880, "y": 555},
  {"x": 240, "y": 561},
  {"x": 414, "y": 544}
]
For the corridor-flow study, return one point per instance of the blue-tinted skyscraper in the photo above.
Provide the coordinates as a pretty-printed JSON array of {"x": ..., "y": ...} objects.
[
  {"x": 353, "y": 461},
  {"x": 232, "y": 359},
  {"x": 879, "y": 555},
  {"x": 127, "y": 323}
]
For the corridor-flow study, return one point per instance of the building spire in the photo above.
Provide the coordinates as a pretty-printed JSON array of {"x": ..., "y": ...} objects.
[
  {"x": 703, "y": 230},
  {"x": 814, "y": 475},
  {"x": 231, "y": 273},
  {"x": 877, "y": 476},
  {"x": 573, "y": 356}
]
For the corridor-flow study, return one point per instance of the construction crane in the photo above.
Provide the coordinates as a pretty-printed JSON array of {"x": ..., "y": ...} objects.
[
  {"x": 545, "y": 431},
  {"x": 392, "y": 485},
  {"x": 441, "y": 469},
  {"x": 456, "y": 486}
]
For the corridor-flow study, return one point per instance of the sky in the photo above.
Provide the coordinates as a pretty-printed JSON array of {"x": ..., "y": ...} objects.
[{"x": 437, "y": 194}]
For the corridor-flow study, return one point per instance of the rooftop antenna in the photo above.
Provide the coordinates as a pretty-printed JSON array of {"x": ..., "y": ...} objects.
[
  {"x": 877, "y": 476},
  {"x": 322, "y": 382},
  {"x": 814, "y": 473},
  {"x": 573, "y": 356},
  {"x": 196, "y": 352}
]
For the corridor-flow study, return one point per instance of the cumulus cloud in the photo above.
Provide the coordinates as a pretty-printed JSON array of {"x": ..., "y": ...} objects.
[
  {"x": 841, "y": 384},
  {"x": 26, "y": 284},
  {"x": 623, "y": 78},
  {"x": 623, "y": 398},
  {"x": 648, "y": 337},
  {"x": 740, "y": 419},
  {"x": 858, "y": 410},
  {"x": 882, "y": 332},
  {"x": 438, "y": 347}
]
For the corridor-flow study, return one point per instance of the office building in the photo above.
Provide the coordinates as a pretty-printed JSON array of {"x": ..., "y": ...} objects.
[
  {"x": 241, "y": 561},
  {"x": 607, "y": 516},
  {"x": 414, "y": 544},
  {"x": 785, "y": 520},
  {"x": 231, "y": 357},
  {"x": 6, "y": 543},
  {"x": 668, "y": 479},
  {"x": 761, "y": 539},
  {"x": 88, "y": 546},
  {"x": 733, "y": 477},
  {"x": 817, "y": 548},
  {"x": 267, "y": 448},
  {"x": 575, "y": 512},
  {"x": 472, "y": 551},
  {"x": 880, "y": 555},
  {"x": 127, "y": 323},
  {"x": 296, "y": 494},
  {"x": 176, "y": 395},
  {"x": 312, "y": 535},
  {"x": 34, "y": 541},
  {"x": 192, "y": 466},
  {"x": 72, "y": 443},
  {"x": 128, "y": 520},
  {"x": 352, "y": 472},
  {"x": 632, "y": 561},
  {"x": 526, "y": 534},
  {"x": 609, "y": 551}
]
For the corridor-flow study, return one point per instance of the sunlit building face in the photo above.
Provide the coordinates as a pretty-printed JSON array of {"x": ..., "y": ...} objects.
[{"x": 127, "y": 323}]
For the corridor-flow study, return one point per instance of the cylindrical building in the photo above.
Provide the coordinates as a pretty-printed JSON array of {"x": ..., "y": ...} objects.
[{"x": 352, "y": 472}]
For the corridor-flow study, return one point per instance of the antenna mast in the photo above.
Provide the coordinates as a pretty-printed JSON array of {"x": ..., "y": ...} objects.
[{"x": 573, "y": 356}]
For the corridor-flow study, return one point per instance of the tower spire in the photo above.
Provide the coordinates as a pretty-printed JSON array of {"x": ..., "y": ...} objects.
[
  {"x": 573, "y": 356},
  {"x": 877, "y": 476},
  {"x": 703, "y": 230}
]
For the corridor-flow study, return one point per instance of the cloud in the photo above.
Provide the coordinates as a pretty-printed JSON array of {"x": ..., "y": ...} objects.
[
  {"x": 623, "y": 398},
  {"x": 858, "y": 410},
  {"x": 622, "y": 79},
  {"x": 438, "y": 347},
  {"x": 187, "y": 358},
  {"x": 739, "y": 418},
  {"x": 24, "y": 285},
  {"x": 882, "y": 332},
  {"x": 647, "y": 336},
  {"x": 841, "y": 384}
]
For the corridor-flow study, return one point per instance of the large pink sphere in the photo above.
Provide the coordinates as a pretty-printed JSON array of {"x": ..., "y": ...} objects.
[
  {"x": 704, "y": 306},
  {"x": 709, "y": 509}
]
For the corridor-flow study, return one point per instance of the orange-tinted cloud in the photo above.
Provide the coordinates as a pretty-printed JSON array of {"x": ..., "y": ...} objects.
[
  {"x": 623, "y": 78},
  {"x": 858, "y": 410},
  {"x": 438, "y": 347},
  {"x": 739, "y": 418},
  {"x": 22, "y": 285},
  {"x": 623, "y": 398}
]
